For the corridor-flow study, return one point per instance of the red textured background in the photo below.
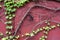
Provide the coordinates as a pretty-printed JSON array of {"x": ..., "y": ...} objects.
[{"x": 28, "y": 25}]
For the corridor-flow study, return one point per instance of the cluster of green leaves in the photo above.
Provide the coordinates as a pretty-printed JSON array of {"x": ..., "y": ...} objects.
[
  {"x": 21, "y": 3},
  {"x": 10, "y": 7},
  {"x": 9, "y": 13},
  {"x": 43, "y": 38},
  {"x": 10, "y": 38}
]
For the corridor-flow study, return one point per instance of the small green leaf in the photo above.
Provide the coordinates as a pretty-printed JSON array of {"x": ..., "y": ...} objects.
[
  {"x": 7, "y": 32},
  {"x": 13, "y": 10},
  {"x": 31, "y": 34},
  {"x": 11, "y": 37},
  {"x": 4, "y": 38},
  {"x": 8, "y": 22},
  {"x": 9, "y": 27}
]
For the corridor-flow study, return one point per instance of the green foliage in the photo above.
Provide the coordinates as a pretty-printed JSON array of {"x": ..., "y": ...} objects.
[
  {"x": 10, "y": 7},
  {"x": 21, "y": 3}
]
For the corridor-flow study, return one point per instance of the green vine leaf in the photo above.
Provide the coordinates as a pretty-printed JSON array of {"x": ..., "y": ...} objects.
[{"x": 21, "y": 2}]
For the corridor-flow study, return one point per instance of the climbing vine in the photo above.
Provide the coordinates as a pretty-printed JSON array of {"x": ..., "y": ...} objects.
[{"x": 10, "y": 7}]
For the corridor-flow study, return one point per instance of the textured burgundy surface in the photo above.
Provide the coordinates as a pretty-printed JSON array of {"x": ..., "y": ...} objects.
[{"x": 27, "y": 25}]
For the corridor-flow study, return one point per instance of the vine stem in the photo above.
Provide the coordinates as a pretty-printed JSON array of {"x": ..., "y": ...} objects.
[
  {"x": 42, "y": 6},
  {"x": 40, "y": 24},
  {"x": 1, "y": 18},
  {"x": 36, "y": 5},
  {"x": 22, "y": 21},
  {"x": 43, "y": 22}
]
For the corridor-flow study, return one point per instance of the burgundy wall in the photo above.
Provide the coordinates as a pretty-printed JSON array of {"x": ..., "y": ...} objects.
[{"x": 36, "y": 13}]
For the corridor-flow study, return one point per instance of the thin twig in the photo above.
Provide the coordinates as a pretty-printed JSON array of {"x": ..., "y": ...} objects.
[
  {"x": 19, "y": 25},
  {"x": 1, "y": 18},
  {"x": 22, "y": 21},
  {"x": 42, "y": 6}
]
